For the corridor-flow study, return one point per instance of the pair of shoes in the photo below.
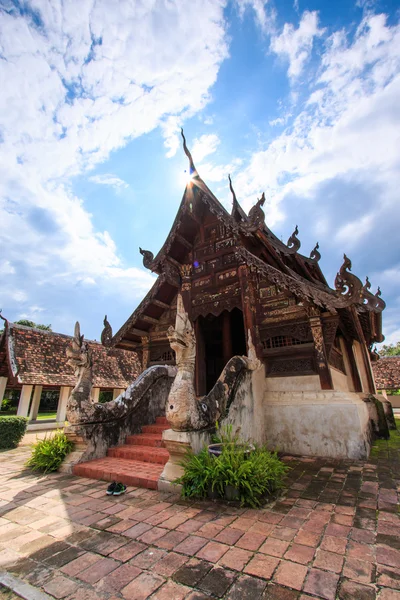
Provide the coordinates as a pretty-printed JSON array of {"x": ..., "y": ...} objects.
[{"x": 116, "y": 489}]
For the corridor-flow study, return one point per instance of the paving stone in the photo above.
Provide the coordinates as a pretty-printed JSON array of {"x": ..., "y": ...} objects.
[
  {"x": 250, "y": 541},
  {"x": 274, "y": 547},
  {"x": 147, "y": 558},
  {"x": 247, "y": 588},
  {"x": 192, "y": 572},
  {"x": 388, "y": 577},
  {"x": 388, "y": 594},
  {"x": 358, "y": 570},
  {"x": 98, "y": 570},
  {"x": 322, "y": 584},
  {"x": 329, "y": 561},
  {"x": 307, "y": 538},
  {"x": 290, "y": 574},
  {"x": 262, "y": 566},
  {"x": 217, "y": 581},
  {"x": 142, "y": 586},
  {"x": 170, "y": 539},
  {"x": 128, "y": 551},
  {"x": 191, "y": 545},
  {"x": 229, "y": 536},
  {"x": 300, "y": 554},
  {"x": 104, "y": 542},
  {"x": 284, "y": 533},
  {"x": 118, "y": 579},
  {"x": 235, "y": 559},
  {"x": 60, "y": 586},
  {"x": 277, "y": 592},
  {"x": 80, "y": 564},
  {"x": 171, "y": 591},
  {"x": 352, "y": 590},
  {"x": 151, "y": 536},
  {"x": 212, "y": 552},
  {"x": 198, "y": 596},
  {"x": 169, "y": 564},
  {"x": 62, "y": 558},
  {"x": 334, "y": 544}
]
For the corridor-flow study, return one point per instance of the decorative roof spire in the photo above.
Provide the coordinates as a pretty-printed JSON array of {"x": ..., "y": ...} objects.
[
  {"x": 185, "y": 148},
  {"x": 293, "y": 242},
  {"x": 148, "y": 258},
  {"x": 315, "y": 255},
  {"x": 106, "y": 334},
  {"x": 235, "y": 202}
]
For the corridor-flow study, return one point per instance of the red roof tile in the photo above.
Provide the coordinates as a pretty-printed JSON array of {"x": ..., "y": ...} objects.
[
  {"x": 387, "y": 372},
  {"x": 38, "y": 358}
]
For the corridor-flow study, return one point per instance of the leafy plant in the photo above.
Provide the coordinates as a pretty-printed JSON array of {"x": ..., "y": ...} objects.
[
  {"x": 252, "y": 472},
  {"x": 6, "y": 404},
  {"x": 49, "y": 453},
  {"x": 12, "y": 430}
]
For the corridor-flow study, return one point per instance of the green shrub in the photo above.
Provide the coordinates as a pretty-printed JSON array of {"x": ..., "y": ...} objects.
[
  {"x": 12, "y": 430},
  {"x": 49, "y": 453},
  {"x": 251, "y": 473},
  {"x": 6, "y": 404}
]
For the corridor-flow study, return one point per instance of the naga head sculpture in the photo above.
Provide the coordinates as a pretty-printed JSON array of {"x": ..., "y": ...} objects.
[{"x": 181, "y": 337}]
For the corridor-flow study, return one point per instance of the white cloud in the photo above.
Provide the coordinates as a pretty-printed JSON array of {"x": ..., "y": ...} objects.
[
  {"x": 109, "y": 179},
  {"x": 265, "y": 15},
  {"x": 80, "y": 79},
  {"x": 203, "y": 146},
  {"x": 295, "y": 45},
  {"x": 348, "y": 128}
]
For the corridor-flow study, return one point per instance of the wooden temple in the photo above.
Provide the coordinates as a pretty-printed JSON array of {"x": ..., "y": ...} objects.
[{"x": 239, "y": 281}]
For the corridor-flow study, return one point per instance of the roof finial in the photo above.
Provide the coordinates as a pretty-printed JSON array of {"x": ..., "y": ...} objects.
[
  {"x": 192, "y": 167},
  {"x": 233, "y": 191}
]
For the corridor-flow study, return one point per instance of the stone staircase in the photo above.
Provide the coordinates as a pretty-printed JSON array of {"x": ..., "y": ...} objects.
[{"x": 139, "y": 462}]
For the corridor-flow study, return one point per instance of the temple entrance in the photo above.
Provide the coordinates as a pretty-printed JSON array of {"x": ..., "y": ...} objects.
[{"x": 218, "y": 339}]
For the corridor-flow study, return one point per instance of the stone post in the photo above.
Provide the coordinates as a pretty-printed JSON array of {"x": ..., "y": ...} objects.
[
  {"x": 24, "y": 400},
  {"x": 117, "y": 392},
  {"x": 37, "y": 394},
  {"x": 3, "y": 385},
  {"x": 65, "y": 392},
  {"x": 95, "y": 395}
]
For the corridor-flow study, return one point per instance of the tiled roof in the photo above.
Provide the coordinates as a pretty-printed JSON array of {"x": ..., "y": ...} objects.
[
  {"x": 38, "y": 357},
  {"x": 387, "y": 372}
]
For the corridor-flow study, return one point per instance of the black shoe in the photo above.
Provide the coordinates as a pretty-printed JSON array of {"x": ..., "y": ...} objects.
[
  {"x": 120, "y": 488},
  {"x": 111, "y": 488}
]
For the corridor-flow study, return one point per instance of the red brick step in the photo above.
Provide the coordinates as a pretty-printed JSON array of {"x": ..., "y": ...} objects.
[
  {"x": 129, "y": 472},
  {"x": 139, "y": 462},
  {"x": 143, "y": 453}
]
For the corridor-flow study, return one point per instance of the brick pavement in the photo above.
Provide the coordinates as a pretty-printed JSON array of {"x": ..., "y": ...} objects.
[{"x": 334, "y": 534}]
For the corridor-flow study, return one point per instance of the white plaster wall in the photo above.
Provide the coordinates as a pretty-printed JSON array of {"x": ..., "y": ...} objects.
[
  {"x": 295, "y": 383},
  {"x": 246, "y": 413},
  {"x": 360, "y": 366},
  {"x": 328, "y": 423},
  {"x": 339, "y": 380}
]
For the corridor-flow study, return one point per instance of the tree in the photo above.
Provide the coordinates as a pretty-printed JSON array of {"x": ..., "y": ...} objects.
[
  {"x": 28, "y": 323},
  {"x": 390, "y": 350}
]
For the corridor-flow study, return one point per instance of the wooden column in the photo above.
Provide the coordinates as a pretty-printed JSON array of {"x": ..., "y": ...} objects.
[
  {"x": 186, "y": 288},
  {"x": 200, "y": 371},
  {"x": 226, "y": 336},
  {"x": 65, "y": 393},
  {"x": 24, "y": 400},
  {"x": 249, "y": 303},
  {"x": 364, "y": 352},
  {"x": 95, "y": 394},
  {"x": 117, "y": 392},
  {"x": 3, "y": 385},
  {"x": 145, "y": 351},
  {"x": 320, "y": 353},
  {"x": 37, "y": 394},
  {"x": 353, "y": 366}
]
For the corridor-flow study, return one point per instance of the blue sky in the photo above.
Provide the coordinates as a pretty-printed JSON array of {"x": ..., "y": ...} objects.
[{"x": 299, "y": 99}]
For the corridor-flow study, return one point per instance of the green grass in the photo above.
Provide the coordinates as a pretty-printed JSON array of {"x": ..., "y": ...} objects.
[
  {"x": 46, "y": 416},
  {"x": 390, "y": 446}
]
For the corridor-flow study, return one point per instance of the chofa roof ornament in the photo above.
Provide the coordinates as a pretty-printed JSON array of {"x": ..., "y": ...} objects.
[
  {"x": 148, "y": 258},
  {"x": 193, "y": 169},
  {"x": 235, "y": 203},
  {"x": 347, "y": 284},
  {"x": 293, "y": 242},
  {"x": 372, "y": 301},
  {"x": 314, "y": 254},
  {"x": 256, "y": 216},
  {"x": 106, "y": 334}
]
